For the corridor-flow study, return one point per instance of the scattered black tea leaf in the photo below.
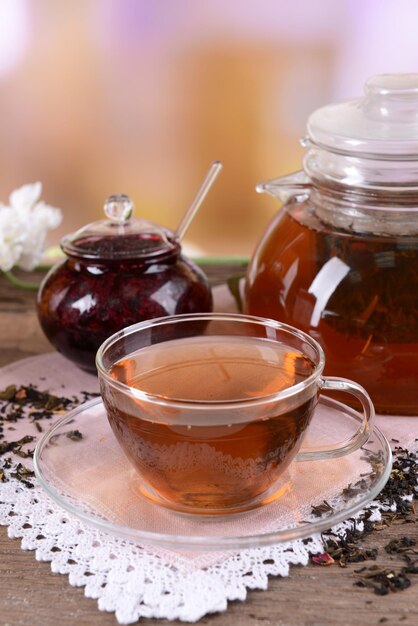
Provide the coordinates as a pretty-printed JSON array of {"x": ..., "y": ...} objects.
[
  {"x": 15, "y": 446},
  {"x": 345, "y": 548},
  {"x": 27, "y": 401},
  {"x": 396, "y": 507},
  {"x": 41, "y": 404},
  {"x": 8, "y": 393},
  {"x": 382, "y": 581},
  {"x": 74, "y": 435},
  {"x": 24, "y": 455},
  {"x": 321, "y": 509},
  {"x": 403, "y": 545},
  {"x": 22, "y": 473}
]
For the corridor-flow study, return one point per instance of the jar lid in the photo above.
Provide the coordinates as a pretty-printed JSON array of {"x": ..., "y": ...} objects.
[
  {"x": 382, "y": 124},
  {"x": 120, "y": 236}
]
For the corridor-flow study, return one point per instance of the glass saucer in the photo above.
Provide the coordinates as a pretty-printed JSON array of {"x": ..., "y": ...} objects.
[{"x": 81, "y": 466}]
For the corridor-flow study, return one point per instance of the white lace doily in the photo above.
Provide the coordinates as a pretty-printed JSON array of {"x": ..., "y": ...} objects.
[{"x": 128, "y": 579}]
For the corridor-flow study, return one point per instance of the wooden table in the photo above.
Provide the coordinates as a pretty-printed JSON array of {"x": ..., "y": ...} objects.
[{"x": 311, "y": 596}]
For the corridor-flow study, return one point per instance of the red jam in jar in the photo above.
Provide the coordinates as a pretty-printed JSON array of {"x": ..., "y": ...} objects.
[{"x": 118, "y": 272}]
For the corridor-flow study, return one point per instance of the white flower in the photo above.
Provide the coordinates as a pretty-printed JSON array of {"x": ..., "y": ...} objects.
[{"x": 23, "y": 227}]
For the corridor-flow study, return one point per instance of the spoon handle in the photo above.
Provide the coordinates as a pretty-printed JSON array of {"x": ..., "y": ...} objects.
[{"x": 187, "y": 218}]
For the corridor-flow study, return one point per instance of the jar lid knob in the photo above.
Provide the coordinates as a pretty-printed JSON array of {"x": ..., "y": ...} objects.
[{"x": 119, "y": 208}]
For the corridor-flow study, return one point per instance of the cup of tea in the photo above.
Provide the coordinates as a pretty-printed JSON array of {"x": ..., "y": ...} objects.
[{"x": 212, "y": 408}]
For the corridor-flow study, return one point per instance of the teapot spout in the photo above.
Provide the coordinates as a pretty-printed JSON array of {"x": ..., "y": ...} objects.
[{"x": 296, "y": 185}]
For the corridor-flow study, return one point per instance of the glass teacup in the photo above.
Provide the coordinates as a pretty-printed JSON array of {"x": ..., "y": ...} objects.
[{"x": 212, "y": 408}]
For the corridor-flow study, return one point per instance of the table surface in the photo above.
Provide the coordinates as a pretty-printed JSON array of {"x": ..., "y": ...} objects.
[{"x": 310, "y": 596}]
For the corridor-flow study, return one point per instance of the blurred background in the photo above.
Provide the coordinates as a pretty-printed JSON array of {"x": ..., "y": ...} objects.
[{"x": 140, "y": 96}]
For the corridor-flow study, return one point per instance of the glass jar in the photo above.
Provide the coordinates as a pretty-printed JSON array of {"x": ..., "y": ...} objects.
[
  {"x": 340, "y": 260},
  {"x": 117, "y": 272}
]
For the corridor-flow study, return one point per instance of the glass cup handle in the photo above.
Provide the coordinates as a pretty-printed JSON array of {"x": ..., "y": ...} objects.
[{"x": 360, "y": 437}]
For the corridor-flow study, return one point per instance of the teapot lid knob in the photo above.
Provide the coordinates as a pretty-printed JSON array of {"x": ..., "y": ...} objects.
[
  {"x": 119, "y": 208},
  {"x": 383, "y": 124}
]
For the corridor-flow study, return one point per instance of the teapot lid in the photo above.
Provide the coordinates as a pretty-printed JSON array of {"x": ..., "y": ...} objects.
[
  {"x": 383, "y": 124},
  {"x": 120, "y": 236}
]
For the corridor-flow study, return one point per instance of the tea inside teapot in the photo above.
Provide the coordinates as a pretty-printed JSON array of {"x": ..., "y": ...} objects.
[{"x": 340, "y": 260}]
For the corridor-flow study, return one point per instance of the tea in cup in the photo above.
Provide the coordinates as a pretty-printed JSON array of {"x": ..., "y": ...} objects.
[{"x": 212, "y": 408}]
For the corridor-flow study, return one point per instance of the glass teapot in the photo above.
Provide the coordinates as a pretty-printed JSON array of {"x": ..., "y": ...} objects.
[
  {"x": 118, "y": 271},
  {"x": 340, "y": 260}
]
